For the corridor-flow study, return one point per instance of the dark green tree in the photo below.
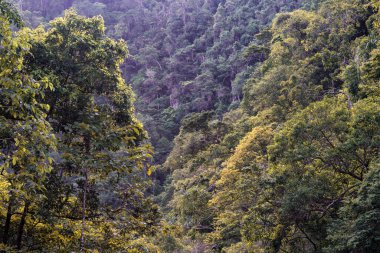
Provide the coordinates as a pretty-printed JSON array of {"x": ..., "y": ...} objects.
[
  {"x": 358, "y": 228},
  {"x": 96, "y": 190}
]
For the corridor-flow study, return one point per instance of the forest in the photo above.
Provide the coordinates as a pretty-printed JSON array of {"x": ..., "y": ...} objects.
[{"x": 190, "y": 126}]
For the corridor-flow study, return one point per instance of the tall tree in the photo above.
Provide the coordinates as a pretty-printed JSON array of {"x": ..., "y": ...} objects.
[
  {"x": 101, "y": 146},
  {"x": 26, "y": 139}
]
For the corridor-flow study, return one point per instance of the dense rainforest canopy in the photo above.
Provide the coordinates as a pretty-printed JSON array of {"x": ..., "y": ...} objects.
[{"x": 190, "y": 126}]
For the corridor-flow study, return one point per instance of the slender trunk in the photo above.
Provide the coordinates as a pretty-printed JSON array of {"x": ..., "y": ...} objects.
[
  {"x": 85, "y": 174},
  {"x": 82, "y": 238},
  {"x": 22, "y": 224},
  {"x": 8, "y": 220}
]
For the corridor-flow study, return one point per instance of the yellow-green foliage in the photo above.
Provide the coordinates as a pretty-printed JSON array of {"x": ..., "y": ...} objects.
[
  {"x": 73, "y": 156},
  {"x": 294, "y": 168},
  {"x": 310, "y": 139}
]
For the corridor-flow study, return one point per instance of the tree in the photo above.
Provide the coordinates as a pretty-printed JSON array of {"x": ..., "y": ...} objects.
[
  {"x": 357, "y": 228},
  {"x": 8, "y": 11},
  {"x": 26, "y": 139},
  {"x": 101, "y": 146},
  {"x": 316, "y": 161}
]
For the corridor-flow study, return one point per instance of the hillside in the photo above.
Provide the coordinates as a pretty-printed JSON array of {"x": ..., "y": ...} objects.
[{"x": 186, "y": 56}]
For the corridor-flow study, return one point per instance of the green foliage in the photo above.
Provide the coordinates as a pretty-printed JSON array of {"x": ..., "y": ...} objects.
[
  {"x": 330, "y": 135},
  {"x": 294, "y": 168},
  {"x": 101, "y": 143},
  {"x": 187, "y": 55},
  {"x": 357, "y": 229},
  {"x": 10, "y": 12},
  {"x": 89, "y": 193},
  {"x": 26, "y": 138},
  {"x": 317, "y": 158},
  {"x": 311, "y": 138}
]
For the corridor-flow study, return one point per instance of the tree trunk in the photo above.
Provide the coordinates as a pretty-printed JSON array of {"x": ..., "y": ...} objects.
[
  {"x": 22, "y": 224},
  {"x": 82, "y": 238},
  {"x": 8, "y": 220},
  {"x": 85, "y": 174}
]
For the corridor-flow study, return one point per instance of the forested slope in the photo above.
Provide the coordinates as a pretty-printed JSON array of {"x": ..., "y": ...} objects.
[
  {"x": 186, "y": 56},
  {"x": 289, "y": 170},
  {"x": 273, "y": 105}
]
